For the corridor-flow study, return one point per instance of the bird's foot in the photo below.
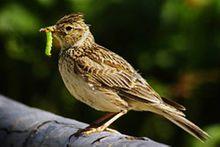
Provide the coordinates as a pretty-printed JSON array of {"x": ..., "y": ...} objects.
[
  {"x": 89, "y": 130},
  {"x": 112, "y": 131}
]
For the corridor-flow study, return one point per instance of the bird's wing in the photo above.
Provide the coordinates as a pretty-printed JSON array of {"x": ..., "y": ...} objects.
[{"x": 105, "y": 68}]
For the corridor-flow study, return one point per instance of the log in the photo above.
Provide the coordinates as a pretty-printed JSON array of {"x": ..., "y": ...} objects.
[{"x": 23, "y": 126}]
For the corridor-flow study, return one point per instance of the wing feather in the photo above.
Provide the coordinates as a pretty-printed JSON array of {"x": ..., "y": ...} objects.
[{"x": 108, "y": 69}]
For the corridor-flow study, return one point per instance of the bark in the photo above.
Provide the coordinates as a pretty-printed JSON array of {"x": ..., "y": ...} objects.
[{"x": 21, "y": 125}]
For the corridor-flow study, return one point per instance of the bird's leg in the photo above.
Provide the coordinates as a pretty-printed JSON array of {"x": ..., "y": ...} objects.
[
  {"x": 96, "y": 123},
  {"x": 103, "y": 118},
  {"x": 105, "y": 125}
]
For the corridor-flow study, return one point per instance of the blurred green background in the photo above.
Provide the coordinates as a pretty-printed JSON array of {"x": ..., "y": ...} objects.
[{"x": 174, "y": 44}]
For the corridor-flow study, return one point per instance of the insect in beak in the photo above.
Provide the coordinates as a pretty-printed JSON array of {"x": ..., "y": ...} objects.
[{"x": 48, "y": 29}]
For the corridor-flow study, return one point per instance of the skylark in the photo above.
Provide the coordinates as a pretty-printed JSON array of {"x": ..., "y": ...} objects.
[{"x": 105, "y": 81}]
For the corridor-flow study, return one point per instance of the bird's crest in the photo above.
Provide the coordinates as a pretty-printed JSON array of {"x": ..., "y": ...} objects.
[{"x": 74, "y": 17}]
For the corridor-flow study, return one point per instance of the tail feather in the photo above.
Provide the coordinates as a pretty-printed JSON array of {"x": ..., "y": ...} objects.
[
  {"x": 185, "y": 124},
  {"x": 173, "y": 104}
]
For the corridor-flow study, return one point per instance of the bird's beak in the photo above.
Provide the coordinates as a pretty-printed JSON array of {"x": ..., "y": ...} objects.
[{"x": 48, "y": 29}]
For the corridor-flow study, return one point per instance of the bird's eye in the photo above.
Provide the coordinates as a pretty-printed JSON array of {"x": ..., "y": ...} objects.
[{"x": 68, "y": 28}]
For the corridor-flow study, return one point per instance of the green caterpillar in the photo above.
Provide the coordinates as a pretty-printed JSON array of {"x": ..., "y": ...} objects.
[{"x": 49, "y": 43}]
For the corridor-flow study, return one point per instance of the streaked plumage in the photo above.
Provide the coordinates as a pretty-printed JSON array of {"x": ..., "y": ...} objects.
[{"x": 104, "y": 80}]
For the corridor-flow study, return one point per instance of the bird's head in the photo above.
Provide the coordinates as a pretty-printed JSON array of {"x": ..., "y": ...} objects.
[{"x": 70, "y": 30}]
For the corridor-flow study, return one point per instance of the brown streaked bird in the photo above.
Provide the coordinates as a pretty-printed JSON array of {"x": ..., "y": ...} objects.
[{"x": 105, "y": 81}]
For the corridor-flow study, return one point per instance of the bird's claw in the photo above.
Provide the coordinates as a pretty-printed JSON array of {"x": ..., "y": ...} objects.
[
  {"x": 112, "y": 131},
  {"x": 89, "y": 131}
]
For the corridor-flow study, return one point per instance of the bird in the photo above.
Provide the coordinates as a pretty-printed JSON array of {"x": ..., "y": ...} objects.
[{"x": 105, "y": 81}]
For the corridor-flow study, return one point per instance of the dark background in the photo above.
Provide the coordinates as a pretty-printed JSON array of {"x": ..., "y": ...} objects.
[{"x": 174, "y": 44}]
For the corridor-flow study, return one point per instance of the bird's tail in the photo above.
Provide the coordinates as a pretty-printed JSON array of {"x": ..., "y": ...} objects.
[{"x": 179, "y": 119}]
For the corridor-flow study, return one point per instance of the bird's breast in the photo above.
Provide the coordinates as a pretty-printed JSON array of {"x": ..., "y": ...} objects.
[{"x": 84, "y": 92}]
